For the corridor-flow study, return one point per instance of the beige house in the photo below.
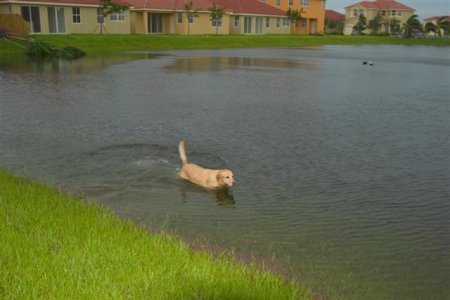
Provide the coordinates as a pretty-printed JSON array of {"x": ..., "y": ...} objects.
[
  {"x": 66, "y": 16},
  {"x": 148, "y": 17},
  {"x": 389, "y": 10}
]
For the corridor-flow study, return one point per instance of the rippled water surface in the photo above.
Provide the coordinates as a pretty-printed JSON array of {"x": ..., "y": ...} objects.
[{"x": 342, "y": 168}]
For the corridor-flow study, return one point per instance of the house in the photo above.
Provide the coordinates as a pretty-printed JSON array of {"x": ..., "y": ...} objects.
[
  {"x": 66, "y": 16},
  {"x": 148, "y": 17},
  {"x": 313, "y": 16},
  {"x": 434, "y": 20},
  {"x": 390, "y": 11},
  {"x": 334, "y": 22}
]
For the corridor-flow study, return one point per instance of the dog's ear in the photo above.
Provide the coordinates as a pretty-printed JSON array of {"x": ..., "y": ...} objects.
[{"x": 220, "y": 176}]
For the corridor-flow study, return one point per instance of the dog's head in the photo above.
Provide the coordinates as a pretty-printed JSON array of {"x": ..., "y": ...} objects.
[{"x": 225, "y": 177}]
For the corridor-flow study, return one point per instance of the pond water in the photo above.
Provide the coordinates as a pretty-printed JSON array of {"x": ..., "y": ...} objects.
[{"x": 342, "y": 168}]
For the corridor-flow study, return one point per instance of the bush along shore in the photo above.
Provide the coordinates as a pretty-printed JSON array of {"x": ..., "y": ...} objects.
[{"x": 56, "y": 246}]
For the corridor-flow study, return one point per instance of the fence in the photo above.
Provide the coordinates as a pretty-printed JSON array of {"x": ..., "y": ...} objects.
[{"x": 14, "y": 24}]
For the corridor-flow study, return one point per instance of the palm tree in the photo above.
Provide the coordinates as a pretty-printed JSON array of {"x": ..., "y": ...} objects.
[
  {"x": 216, "y": 14},
  {"x": 431, "y": 27},
  {"x": 294, "y": 15},
  {"x": 411, "y": 25},
  {"x": 394, "y": 26},
  {"x": 191, "y": 13},
  {"x": 442, "y": 26}
]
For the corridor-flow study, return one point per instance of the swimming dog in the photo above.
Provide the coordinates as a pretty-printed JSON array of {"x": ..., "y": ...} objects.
[{"x": 207, "y": 178}]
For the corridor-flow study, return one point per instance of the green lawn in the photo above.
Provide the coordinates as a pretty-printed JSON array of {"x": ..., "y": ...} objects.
[
  {"x": 114, "y": 43},
  {"x": 55, "y": 246}
]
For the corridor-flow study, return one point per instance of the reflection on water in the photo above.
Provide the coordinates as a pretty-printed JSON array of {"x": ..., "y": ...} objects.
[
  {"x": 208, "y": 64},
  {"x": 224, "y": 196},
  {"x": 22, "y": 64},
  {"x": 342, "y": 168}
]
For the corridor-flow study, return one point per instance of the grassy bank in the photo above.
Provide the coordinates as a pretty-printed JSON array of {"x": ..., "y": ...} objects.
[
  {"x": 56, "y": 246},
  {"x": 96, "y": 43}
]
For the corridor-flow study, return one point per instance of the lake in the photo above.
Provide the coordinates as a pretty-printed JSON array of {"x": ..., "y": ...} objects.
[{"x": 342, "y": 168}]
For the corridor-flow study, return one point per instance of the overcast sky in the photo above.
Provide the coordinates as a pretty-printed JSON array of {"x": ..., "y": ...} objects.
[{"x": 424, "y": 8}]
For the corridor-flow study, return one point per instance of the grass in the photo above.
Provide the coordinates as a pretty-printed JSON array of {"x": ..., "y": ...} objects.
[
  {"x": 56, "y": 246},
  {"x": 113, "y": 43}
]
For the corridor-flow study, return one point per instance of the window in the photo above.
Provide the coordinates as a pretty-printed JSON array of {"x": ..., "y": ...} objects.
[
  {"x": 56, "y": 21},
  {"x": 285, "y": 22},
  {"x": 291, "y": 2},
  {"x": 393, "y": 13},
  {"x": 76, "y": 15},
  {"x": 355, "y": 12},
  {"x": 361, "y": 11},
  {"x": 32, "y": 16},
  {"x": 236, "y": 21},
  {"x": 303, "y": 23},
  {"x": 217, "y": 22},
  {"x": 304, "y": 2},
  {"x": 100, "y": 17},
  {"x": 191, "y": 17},
  {"x": 277, "y": 2},
  {"x": 180, "y": 17},
  {"x": 399, "y": 13},
  {"x": 248, "y": 25},
  {"x": 267, "y": 22},
  {"x": 278, "y": 22},
  {"x": 383, "y": 13},
  {"x": 118, "y": 16}
]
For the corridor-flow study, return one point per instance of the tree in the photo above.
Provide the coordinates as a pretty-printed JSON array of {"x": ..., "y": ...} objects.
[
  {"x": 216, "y": 14},
  {"x": 394, "y": 26},
  {"x": 411, "y": 25},
  {"x": 375, "y": 24},
  {"x": 441, "y": 26},
  {"x": 191, "y": 13},
  {"x": 431, "y": 27},
  {"x": 294, "y": 15},
  {"x": 361, "y": 24},
  {"x": 108, "y": 7}
]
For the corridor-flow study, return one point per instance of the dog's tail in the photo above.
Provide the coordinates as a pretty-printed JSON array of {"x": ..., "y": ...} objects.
[{"x": 182, "y": 151}]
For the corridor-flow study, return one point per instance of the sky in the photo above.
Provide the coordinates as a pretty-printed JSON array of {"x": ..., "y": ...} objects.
[{"x": 424, "y": 8}]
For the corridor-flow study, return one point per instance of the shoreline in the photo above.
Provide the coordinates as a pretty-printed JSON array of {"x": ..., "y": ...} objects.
[{"x": 58, "y": 245}]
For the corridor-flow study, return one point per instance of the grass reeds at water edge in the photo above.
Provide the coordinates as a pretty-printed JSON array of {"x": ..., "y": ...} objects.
[{"x": 56, "y": 246}]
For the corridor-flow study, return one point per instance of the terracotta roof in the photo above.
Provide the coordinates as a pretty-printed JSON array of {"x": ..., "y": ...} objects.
[
  {"x": 383, "y": 5},
  {"x": 253, "y": 7},
  {"x": 168, "y": 4},
  {"x": 447, "y": 18},
  {"x": 68, "y": 2},
  {"x": 334, "y": 15}
]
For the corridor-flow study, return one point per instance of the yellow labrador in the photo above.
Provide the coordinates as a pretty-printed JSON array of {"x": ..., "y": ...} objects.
[{"x": 207, "y": 178}]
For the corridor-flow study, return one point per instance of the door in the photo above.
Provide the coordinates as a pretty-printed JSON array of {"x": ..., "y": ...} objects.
[
  {"x": 313, "y": 26},
  {"x": 248, "y": 25},
  {"x": 32, "y": 16},
  {"x": 56, "y": 20},
  {"x": 155, "y": 23},
  {"x": 259, "y": 22}
]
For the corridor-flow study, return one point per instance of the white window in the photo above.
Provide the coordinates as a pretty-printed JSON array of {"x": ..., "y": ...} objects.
[
  {"x": 393, "y": 13},
  {"x": 285, "y": 22},
  {"x": 236, "y": 21},
  {"x": 303, "y": 23},
  {"x": 180, "y": 17},
  {"x": 277, "y": 2},
  {"x": 355, "y": 12},
  {"x": 383, "y": 13},
  {"x": 76, "y": 15},
  {"x": 56, "y": 21},
  {"x": 217, "y": 22},
  {"x": 278, "y": 22},
  {"x": 191, "y": 17},
  {"x": 361, "y": 12},
  {"x": 291, "y": 2},
  {"x": 100, "y": 17},
  {"x": 304, "y": 2},
  {"x": 399, "y": 13},
  {"x": 267, "y": 22},
  {"x": 31, "y": 14},
  {"x": 118, "y": 16}
]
